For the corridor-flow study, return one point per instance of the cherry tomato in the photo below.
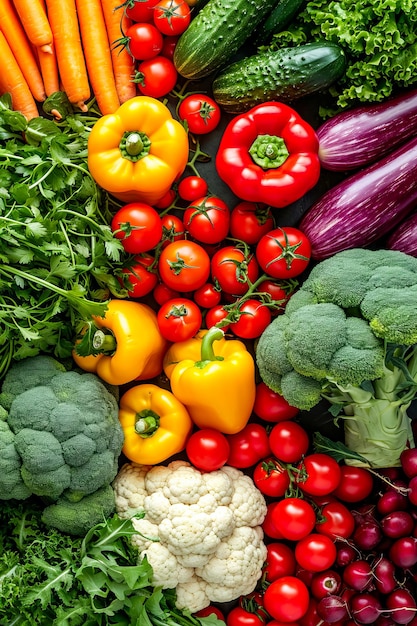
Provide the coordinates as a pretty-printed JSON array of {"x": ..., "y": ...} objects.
[
  {"x": 172, "y": 17},
  {"x": 356, "y": 484},
  {"x": 144, "y": 41},
  {"x": 137, "y": 278},
  {"x": 166, "y": 200},
  {"x": 169, "y": 45},
  {"x": 319, "y": 474},
  {"x": 207, "y": 449},
  {"x": 268, "y": 525},
  {"x": 173, "y": 229},
  {"x": 232, "y": 269},
  {"x": 280, "y": 561},
  {"x": 249, "y": 221},
  {"x": 138, "y": 226},
  {"x": 140, "y": 10},
  {"x": 284, "y": 252},
  {"x": 184, "y": 265},
  {"x": 191, "y": 188},
  {"x": 179, "y": 319},
  {"x": 336, "y": 521},
  {"x": 315, "y": 552},
  {"x": 207, "y": 219},
  {"x": 200, "y": 112},
  {"x": 271, "y": 477},
  {"x": 294, "y": 518},
  {"x": 210, "y": 610},
  {"x": 254, "y": 317},
  {"x": 156, "y": 77},
  {"x": 248, "y": 446},
  {"x": 162, "y": 293},
  {"x": 289, "y": 441},
  {"x": 215, "y": 316},
  {"x": 287, "y": 599},
  {"x": 239, "y": 616},
  {"x": 271, "y": 406},
  {"x": 279, "y": 292},
  {"x": 207, "y": 296}
]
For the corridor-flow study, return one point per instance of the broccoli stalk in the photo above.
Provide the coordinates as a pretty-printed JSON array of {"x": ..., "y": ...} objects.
[{"x": 349, "y": 336}]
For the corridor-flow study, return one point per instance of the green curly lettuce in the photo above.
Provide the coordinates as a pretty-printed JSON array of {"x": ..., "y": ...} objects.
[{"x": 379, "y": 38}]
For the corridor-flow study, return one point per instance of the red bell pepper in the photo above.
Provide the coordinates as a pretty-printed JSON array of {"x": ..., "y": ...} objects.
[{"x": 269, "y": 155}]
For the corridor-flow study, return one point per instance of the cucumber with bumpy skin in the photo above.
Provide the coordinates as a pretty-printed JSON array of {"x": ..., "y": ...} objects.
[
  {"x": 216, "y": 33},
  {"x": 278, "y": 19},
  {"x": 286, "y": 74}
]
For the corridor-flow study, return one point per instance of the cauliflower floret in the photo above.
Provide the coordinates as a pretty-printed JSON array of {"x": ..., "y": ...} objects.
[
  {"x": 185, "y": 485},
  {"x": 129, "y": 489},
  {"x": 147, "y": 533},
  {"x": 192, "y": 595},
  {"x": 186, "y": 530},
  {"x": 167, "y": 572},
  {"x": 221, "y": 485},
  {"x": 157, "y": 506},
  {"x": 248, "y": 504}
]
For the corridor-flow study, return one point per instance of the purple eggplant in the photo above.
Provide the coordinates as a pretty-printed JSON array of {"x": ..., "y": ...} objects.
[
  {"x": 356, "y": 138},
  {"x": 365, "y": 206},
  {"x": 404, "y": 237}
]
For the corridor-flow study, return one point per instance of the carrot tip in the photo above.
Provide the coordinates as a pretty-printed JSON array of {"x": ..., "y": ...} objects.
[
  {"x": 47, "y": 48},
  {"x": 82, "y": 106}
]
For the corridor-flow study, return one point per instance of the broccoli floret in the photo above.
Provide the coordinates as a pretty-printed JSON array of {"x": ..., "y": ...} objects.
[
  {"x": 11, "y": 484},
  {"x": 66, "y": 435},
  {"x": 349, "y": 335},
  {"x": 76, "y": 518}
]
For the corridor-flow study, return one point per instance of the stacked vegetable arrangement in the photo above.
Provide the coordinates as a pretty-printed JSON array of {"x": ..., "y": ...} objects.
[{"x": 208, "y": 363}]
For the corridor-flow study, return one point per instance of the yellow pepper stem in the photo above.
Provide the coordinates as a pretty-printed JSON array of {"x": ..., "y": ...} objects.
[
  {"x": 207, "y": 351},
  {"x": 134, "y": 145},
  {"x": 147, "y": 423}
]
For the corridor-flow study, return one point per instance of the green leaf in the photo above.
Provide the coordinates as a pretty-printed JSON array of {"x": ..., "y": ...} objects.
[{"x": 336, "y": 449}]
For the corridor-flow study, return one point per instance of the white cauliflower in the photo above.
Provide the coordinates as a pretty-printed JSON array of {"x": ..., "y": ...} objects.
[{"x": 201, "y": 532}]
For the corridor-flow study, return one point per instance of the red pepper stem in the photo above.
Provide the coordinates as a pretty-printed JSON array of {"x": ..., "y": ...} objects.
[
  {"x": 207, "y": 352},
  {"x": 147, "y": 423}
]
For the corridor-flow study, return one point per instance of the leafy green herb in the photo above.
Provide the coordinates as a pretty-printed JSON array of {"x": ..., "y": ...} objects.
[
  {"x": 52, "y": 579},
  {"x": 57, "y": 252},
  {"x": 336, "y": 449}
]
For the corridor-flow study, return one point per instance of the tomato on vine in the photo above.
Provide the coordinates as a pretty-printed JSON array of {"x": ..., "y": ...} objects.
[
  {"x": 233, "y": 269},
  {"x": 156, "y": 77},
  {"x": 137, "y": 277},
  {"x": 318, "y": 474},
  {"x": 179, "y": 319},
  {"x": 250, "y": 221},
  {"x": 138, "y": 226},
  {"x": 207, "y": 219},
  {"x": 144, "y": 41},
  {"x": 254, "y": 317},
  {"x": 172, "y": 17},
  {"x": 271, "y": 477},
  {"x": 284, "y": 252},
  {"x": 173, "y": 229},
  {"x": 207, "y": 296},
  {"x": 216, "y": 316},
  {"x": 200, "y": 112},
  {"x": 140, "y": 10}
]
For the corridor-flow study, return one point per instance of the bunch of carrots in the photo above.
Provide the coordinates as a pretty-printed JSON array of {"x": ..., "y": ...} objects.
[{"x": 64, "y": 45}]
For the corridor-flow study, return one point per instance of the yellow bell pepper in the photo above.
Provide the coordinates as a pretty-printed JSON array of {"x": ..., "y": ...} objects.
[
  {"x": 123, "y": 345},
  {"x": 137, "y": 152},
  {"x": 188, "y": 349},
  {"x": 155, "y": 423},
  {"x": 218, "y": 390}
]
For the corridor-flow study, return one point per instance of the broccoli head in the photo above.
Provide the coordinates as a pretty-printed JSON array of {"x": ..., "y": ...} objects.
[
  {"x": 349, "y": 335},
  {"x": 61, "y": 437}
]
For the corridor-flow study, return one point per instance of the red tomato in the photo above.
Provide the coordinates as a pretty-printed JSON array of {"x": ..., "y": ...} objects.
[
  {"x": 200, "y": 112},
  {"x": 233, "y": 270},
  {"x": 172, "y": 17},
  {"x": 294, "y": 517},
  {"x": 156, "y": 77},
  {"x": 239, "y": 616},
  {"x": 315, "y": 552},
  {"x": 271, "y": 406},
  {"x": 191, "y": 188},
  {"x": 250, "y": 221},
  {"x": 271, "y": 477},
  {"x": 356, "y": 484},
  {"x": 215, "y": 316},
  {"x": 140, "y": 10},
  {"x": 162, "y": 293},
  {"x": 336, "y": 521},
  {"x": 289, "y": 441},
  {"x": 179, "y": 319},
  {"x": 184, "y": 265},
  {"x": 254, "y": 317},
  {"x": 284, "y": 252},
  {"x": 140, "y": 280},
  {"x": 138, "y": 226},
  {"x": 248, "y": 446},
  {"x": 210, "y": 610},
  {"x": 319, "y": 474},
  {"x": 268, "y": 525},
  {"x": 144, "y": 41},
  {"x": 280, "y": 561},
  {"x": 287, "y": 599},
  {"x": 173, "y": 229},
  {"x": 169, "y": 45},
  {"x": 207, "y": 296},
  {"x": 207, "y": 219},
  {"x": 207, "y": 449},
  {"x": 166, "y": 200},
  {"x": 279, "y": 292}
]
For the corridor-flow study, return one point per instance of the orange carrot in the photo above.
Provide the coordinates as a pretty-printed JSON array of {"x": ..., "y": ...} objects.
[
  {"x": 97, "y": 54},
  {"x": 12, "y": 81},
  {"x": 48, "y": 65},
  {"x": 12, "y": 29},
  {"x": 62, "y": 15},
  {"x": 117, "y": 24},
  {"x": 35, "y": 22}
]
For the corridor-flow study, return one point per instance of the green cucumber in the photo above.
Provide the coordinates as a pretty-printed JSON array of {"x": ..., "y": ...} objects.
[
  {"x": 216, "y": 33},
  {"x": 286, "y": 75},
  {"x": 278, "y": 19}
]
